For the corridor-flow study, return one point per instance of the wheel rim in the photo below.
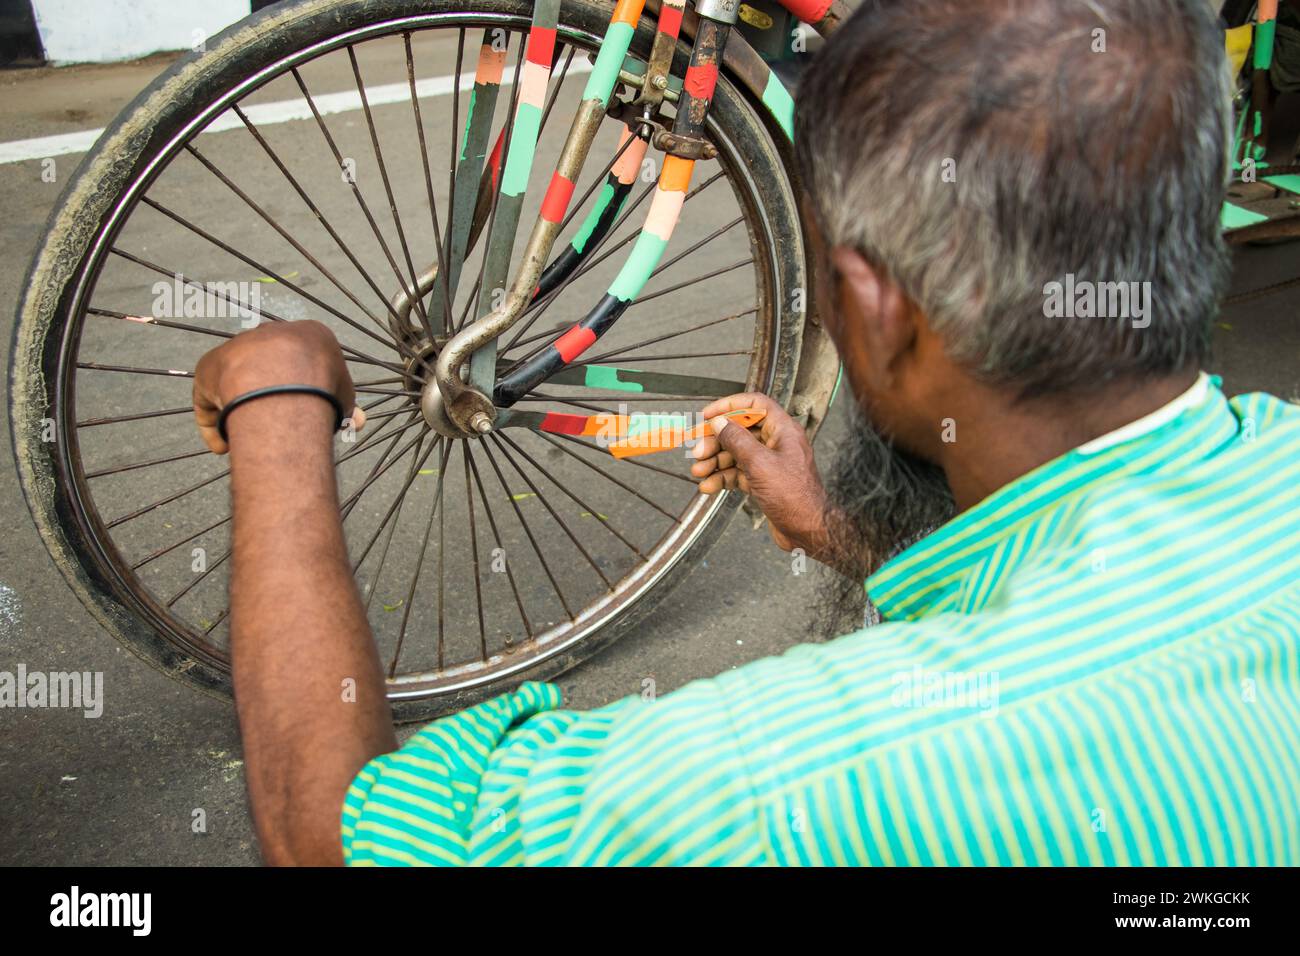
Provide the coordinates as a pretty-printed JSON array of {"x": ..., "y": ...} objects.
[{"x": 164, "y": 599}]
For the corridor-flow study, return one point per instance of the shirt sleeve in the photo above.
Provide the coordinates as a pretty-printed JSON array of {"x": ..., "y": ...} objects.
[{"x": 517, "y": 781}]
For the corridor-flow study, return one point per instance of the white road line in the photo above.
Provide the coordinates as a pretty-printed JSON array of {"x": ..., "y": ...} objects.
[{"x": 263, "y": 114}]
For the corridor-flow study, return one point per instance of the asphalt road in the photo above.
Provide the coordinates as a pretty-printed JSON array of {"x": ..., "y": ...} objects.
[{"x": 125, "y": 788}]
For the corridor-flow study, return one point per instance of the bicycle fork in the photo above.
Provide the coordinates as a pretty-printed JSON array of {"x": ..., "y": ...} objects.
[{"x": 458, "y": 407}]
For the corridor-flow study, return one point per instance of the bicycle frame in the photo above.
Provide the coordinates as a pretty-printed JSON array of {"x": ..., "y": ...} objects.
[{"x": 457, "y": 407}]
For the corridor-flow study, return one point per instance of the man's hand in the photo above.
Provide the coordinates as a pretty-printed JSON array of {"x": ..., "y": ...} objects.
[
  {"x": 275, "y": 353},
  {"x": 776, "y": 468}
]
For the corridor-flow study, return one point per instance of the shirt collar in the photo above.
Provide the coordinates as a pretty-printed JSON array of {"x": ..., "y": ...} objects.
[{"x": 1193, "y": 426}]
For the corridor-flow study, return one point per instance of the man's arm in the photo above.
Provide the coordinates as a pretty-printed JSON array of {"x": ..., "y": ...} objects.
[{"x": 299, "y": 635}]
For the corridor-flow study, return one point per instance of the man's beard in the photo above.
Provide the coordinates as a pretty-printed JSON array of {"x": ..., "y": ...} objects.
[{"x": 881, "y": 499}]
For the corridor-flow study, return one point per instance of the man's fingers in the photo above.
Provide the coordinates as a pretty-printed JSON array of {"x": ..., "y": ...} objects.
[
  {"x": 740, "y": 442},
  {"x": 712, "y": 484},
  {"x": 206, "y": 416},
  {"x": 358, "y": 418},
  {"x": 705, "y": 448},
  {"x": 702, "y": 469},
  {"x": 732, "y": 403},
  {"x": 212, "y": 438}
]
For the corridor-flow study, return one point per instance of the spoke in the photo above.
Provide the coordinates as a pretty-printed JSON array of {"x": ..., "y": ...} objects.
[
  {"x": 375, "y": 435},
  {"x": 645, "y": 382},
  {"x": 549, "y": 335},
  {"x": 370, "y": 390},
  {"x": 419, "y": 564},
  {"x": 199, "y": 579},
  {"x": 577, "y": 404},
  {"x": 564, "y": 72},
  {"x": 619, "y": 352},
  {"x": 496, "y": 537},
  {"x": 264, "y": 270},
  {"x": 564, "y": 488},
  {"x": 379, "y": 467},
  {"x": 442, "y": 553},
  {"x": 416, "y": 299},
  {"x": 601, "y": 471},
  {"x": 715, "y": 234},
  {"x": 394, "y": 511},
  {"x": 162, "y": 323},
  {"x": 284, "y": 234},
  {"x": 451, "y": 160},
  {"x": 663, "y": 358},
  {"x": 362, "y": 445},
  {"x": 352, "y": 499},
  {"x": 218, "y": 293},
  {"x": 689, "y": 282},
  {"x": 315, "y": 211},
  {"x": 390, "y": 414},
  {"x": 622, "y": 397},
  {"x": 117, "y": 470},
  {"x": 473, "y": 544},
  {"x": 172, "y": 547},
  {"x": 394, "y": 380},
  {"x": 138, "y": 416},
  {"x": 168, "y": 500},
  {"x": 376, "y": 404},
  {"x": 356, "y": 190},
  {"x": 470, "y": 302},
  {"x": 505, "y": 452},
  {"x": 428, "y": 183},
  {"x": 528, "y": 531},
  {"x": 133, "y": 370}
]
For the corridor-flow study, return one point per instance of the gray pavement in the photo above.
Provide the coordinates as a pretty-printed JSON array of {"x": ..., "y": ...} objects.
[{"x": 124, "y": 788}]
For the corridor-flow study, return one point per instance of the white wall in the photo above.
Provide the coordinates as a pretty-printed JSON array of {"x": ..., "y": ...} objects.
[{"x": 97, "y": 31}]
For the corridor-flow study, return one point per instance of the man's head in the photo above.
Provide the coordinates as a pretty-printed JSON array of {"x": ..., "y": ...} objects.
[{"x": 961, "y": 155}]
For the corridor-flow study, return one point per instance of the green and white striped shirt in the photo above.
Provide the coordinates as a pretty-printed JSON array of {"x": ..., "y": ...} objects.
[{"x": 1098, "y": 664}]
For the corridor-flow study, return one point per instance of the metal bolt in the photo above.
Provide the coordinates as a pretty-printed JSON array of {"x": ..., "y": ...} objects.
[
  {"x": 661, "y": 82},
  {"x": 480, "y": 422}
]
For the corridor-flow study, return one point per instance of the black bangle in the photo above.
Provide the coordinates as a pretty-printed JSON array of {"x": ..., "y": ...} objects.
[{"x": 238, "y": 400}]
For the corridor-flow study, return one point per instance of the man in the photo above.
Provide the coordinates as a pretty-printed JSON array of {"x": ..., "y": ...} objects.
[{"x": 1084, "y": 555}]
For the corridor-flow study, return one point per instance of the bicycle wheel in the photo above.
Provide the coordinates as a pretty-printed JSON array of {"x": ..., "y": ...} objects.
[{"x": 301, "y": 167}]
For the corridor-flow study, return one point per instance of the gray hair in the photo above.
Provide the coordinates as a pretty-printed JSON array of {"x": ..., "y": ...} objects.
[{"x": 1110, "y": 166}]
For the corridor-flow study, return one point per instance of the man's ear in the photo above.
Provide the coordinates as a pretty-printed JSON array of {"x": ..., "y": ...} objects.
[{"x": 877, "y": 310}]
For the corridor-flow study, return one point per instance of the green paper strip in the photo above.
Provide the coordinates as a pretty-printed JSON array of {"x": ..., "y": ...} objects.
[
  {"x": 606, "y": 376},
  {"x": 1264, "y": 33},
  {"x": 589, "y": 225},
  {"x": 1234, "y": 217},
  {"x": 523, "y": 143},
  {"x": 600, "y": 84},
  {"x": 469, "y": 123},
  {"x": 1290, "y": 183},
  {"x": 647, "y": 252},
  {"x": 643, "y": 422},
  {"x": 778, "y": 102}
]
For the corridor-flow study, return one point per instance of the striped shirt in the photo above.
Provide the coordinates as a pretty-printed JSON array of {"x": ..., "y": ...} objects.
[{"x": 1098, "y": 664}]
